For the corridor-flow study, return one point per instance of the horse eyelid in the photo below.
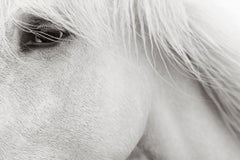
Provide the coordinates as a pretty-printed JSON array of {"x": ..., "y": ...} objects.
[{"x": 42, "y": 36}]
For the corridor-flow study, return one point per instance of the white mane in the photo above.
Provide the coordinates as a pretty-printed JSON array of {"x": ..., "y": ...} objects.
[{"x": 167, "y": 25}]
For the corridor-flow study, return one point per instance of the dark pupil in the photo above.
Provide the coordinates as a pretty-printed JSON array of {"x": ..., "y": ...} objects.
[
  {"x": 46, "y": 36},
  {"x": 49, "y": 36}
]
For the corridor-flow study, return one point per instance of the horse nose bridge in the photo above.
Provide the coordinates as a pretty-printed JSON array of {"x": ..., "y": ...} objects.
[
  {"x": 6, "y": 37},
  {"x": 2, "y": 33},
  {"x": 1, "y": 29},
  {"x": 1, "y": 40},
  {"x": 5, "y": 28}
]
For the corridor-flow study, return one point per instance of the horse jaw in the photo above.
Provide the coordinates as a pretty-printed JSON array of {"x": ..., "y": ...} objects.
[{"x": 184, "y": 124}]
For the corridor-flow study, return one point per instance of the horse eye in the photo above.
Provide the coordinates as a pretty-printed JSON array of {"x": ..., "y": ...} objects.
[{"x": 46, "y": 36}]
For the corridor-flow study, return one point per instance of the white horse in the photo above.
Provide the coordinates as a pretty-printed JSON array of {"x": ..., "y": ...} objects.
[{"x": 96, "y": 80}]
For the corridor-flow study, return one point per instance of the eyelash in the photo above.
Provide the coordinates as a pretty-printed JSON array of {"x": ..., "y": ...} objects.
[{"x": 42, "y": 36}]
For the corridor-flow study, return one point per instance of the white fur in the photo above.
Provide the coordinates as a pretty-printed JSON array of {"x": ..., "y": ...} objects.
[{"x": 159, "y": 74}]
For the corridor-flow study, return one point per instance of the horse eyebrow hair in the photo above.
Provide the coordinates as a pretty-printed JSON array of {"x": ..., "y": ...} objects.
[
  {"x": 34, "y": 20},
  {"x": 32, "y": 14},
  {"x": 31, "y": 21}
]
